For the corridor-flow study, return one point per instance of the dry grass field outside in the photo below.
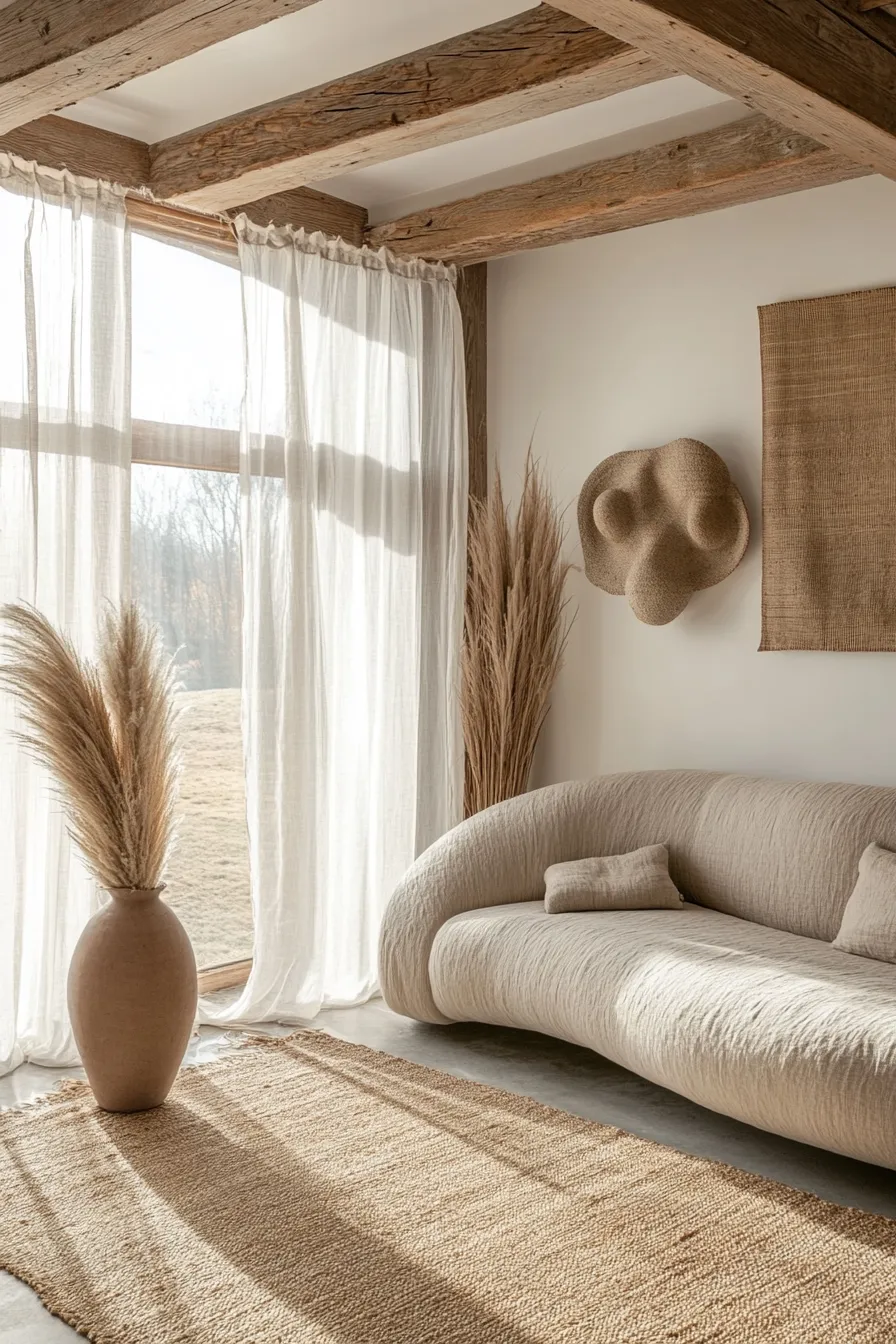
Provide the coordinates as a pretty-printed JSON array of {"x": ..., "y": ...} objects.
[{"x": 208, "y": 878}]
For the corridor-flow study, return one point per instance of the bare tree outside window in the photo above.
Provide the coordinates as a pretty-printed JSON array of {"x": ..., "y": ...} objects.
[
  {"x": 186, "y": 568},
  {"x": 185, "y": 573}
]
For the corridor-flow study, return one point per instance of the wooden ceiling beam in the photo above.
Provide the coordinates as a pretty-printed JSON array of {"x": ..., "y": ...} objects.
[
  {"x": 823, "y": 67},
  {"x": 747, "y": 160},
  {"x": 313, "y": 211},
  {"x": 531, "y": 64},
  {"x": 57, "y": 142},
  {"x": 55, "y": 52}
]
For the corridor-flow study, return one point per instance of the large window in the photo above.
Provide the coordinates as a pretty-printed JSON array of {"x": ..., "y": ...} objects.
[{"x": 185, "y": 559}]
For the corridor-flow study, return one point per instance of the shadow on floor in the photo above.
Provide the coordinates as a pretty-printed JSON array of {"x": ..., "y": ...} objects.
[
  {"x": 579, "y": 1081},
  {"x": 293, "y": 1241}
]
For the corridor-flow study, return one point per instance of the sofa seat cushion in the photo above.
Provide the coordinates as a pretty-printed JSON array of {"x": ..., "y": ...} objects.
[{"x": 778, "y": 1030}]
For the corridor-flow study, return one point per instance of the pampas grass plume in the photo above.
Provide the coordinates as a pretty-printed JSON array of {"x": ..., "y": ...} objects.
[
  {"x": 515, "y": 633},
  {"x": 106, "y": 731}
]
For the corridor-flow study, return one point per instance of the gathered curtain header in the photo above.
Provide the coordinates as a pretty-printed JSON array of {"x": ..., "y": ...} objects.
[
  {"x": 57, "y": 185},
  {"x": 64, "y": 187},
  {"x": 336, "y": 249}
]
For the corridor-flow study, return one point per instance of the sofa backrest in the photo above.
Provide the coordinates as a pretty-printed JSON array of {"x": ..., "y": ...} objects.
[{"x": 772, "y": 851}]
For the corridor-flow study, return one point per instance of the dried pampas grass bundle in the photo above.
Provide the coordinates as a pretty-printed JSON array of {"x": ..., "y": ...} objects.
[
  {"x": 106, "y": 731},
  {"x": 515, "y": 633}
]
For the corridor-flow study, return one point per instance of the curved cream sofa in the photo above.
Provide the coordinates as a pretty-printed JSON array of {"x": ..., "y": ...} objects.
[{"x": 737, "y": 1001}]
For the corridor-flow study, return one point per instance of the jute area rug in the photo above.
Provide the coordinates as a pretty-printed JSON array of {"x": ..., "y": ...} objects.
[{"x": 311, "y": 1190}]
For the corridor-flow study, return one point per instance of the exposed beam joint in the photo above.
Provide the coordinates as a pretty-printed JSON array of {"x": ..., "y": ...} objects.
[
  {"x": 747, "y": 160},
  {"x": 526, "y": 66},
  {"x": 822, "y": 67},
  {"x": 313, "y": 211},
  {"x": 55, "y": 52}
]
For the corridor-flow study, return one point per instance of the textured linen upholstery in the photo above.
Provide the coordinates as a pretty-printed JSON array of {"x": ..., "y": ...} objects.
[
  {"x": 501, "y": 854},
  {"x": 779, "y": 858},
  {"x": 785, "y": 854},
  {"x": 778, "y": 853},
  {"x": 781, "y": 1031}
]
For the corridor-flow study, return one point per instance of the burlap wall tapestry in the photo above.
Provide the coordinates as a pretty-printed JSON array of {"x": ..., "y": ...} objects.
[{"x": 829, "y": 472}]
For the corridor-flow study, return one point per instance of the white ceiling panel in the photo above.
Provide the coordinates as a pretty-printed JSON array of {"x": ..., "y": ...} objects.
[
  {"x": 618, "y": 125},
  {"x": 336, "y": 37},
  {"x": 299, "y": 51}
]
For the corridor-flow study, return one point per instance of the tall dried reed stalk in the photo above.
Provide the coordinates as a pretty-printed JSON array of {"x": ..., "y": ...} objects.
[
  {"x": 515, "y": 633},
  {"x": 106, "y": 731}
]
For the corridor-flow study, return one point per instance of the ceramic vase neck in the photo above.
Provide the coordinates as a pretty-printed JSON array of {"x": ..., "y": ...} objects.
[{"x": 135, "y": 895}]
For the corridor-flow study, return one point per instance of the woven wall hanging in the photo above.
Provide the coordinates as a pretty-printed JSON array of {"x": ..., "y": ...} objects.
[{"x": 829, "y": 472}]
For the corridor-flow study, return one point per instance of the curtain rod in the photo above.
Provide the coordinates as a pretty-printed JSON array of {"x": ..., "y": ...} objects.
[{"x": 176, "y": 222}]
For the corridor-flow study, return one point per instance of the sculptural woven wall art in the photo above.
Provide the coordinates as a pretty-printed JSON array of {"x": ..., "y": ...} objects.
[{"x": 658, "y": 524}]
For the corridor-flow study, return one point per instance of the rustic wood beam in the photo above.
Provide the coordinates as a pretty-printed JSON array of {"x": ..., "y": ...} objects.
[
  {"x": 747, "y": 160},
  {"x": 313, "y": 211},
  {"x": 822, "y": 67},
  {"x": 56, "y": 52},
  {"x": 472, "y": 291},
  {"x": 56, "y": 142},
  {"x": 526, "y": 66}
]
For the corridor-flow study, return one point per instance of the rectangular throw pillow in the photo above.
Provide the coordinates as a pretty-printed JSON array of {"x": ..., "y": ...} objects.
[
  {"x": 636, "y": 881},
  {"x": 868, "y": 928}
]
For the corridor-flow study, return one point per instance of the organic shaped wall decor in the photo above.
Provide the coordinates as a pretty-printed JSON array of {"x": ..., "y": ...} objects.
[{"x": 657, "y": 524}]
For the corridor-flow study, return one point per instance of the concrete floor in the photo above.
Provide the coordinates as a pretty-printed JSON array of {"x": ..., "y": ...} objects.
[{"x": 561, "y": 1075}]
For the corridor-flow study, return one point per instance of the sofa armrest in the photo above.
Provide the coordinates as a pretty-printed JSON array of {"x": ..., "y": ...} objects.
[{"x": 495, "y": 857}]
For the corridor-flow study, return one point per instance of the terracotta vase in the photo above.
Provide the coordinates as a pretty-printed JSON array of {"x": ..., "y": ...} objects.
[{"x": 132, "y": 999}]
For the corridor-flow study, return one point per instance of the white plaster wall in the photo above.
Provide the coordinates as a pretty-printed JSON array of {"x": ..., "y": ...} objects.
[{"x": 629, "y": 341}]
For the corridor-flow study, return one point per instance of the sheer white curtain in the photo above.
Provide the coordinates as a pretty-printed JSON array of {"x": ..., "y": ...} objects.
[
  {"x": 354, "y": 486},
  {"x": 64, "y": 461}
]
